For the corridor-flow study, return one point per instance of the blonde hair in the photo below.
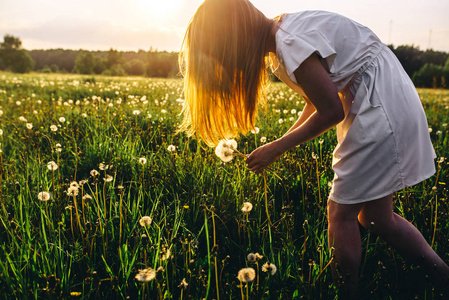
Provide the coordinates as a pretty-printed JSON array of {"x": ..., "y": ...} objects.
[{"x": 223, "y": 63}]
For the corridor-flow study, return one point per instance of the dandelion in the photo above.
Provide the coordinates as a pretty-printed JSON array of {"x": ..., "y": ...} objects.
[
  {"x": 21, "y": 118},
  {"x": 251, "y": 257},
  {"x": 108, "y": 178},
  {"x": 145, "y": 221},
  {"x": 183, "y": 285},
  {"x": 165, "y": 254},
  {"x": 441, "y": 160},
  {"x": 444, "y": 124},
  {"x": 430, "y": 129},
  {"x": 103, "y": 167},
  {"x": 163, "y": 111},
  {"x": 52, "y": 166},
  {"x": 1, "y": 132},
  {"x": 293, "y": 111},
  {"x": 263, "y": 139},
  {"x": 142, "y": 160},
  {"x": 94, "y": 173},
  {"x": 225, "y": 150},
  {"x": 1, "y": 112},
  {"x": 280, "y": 121},
  {"x": 270, "y": 268},
  {"x": 72, "y": 191},
  {"x": 136, "y": 112},
  {"x": 246, "y": 275},
  {"x": 58, "y": 147},
  {"x": 87, "y": 197},
  {"x": 247, "y": 207},
  {"x": 439, "y": 132},
  {"x": 314, "y": 156},
  {"x": 146, "y": 275},
  {"x": 62, "y": 119},
  {"x": 74, "y": 184},
  {"x": 171, "y": 148},
  {"x": 54, "y": 128},
  {"x": 321, "y": 141},
  {"x": 255, "y": 130},
  {"x": 29, "y": 126},
  {"x": 84, "y": 115},
  {"x": 44, "y": 196}
]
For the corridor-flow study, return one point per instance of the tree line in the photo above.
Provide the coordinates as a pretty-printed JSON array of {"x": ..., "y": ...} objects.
[{"x": 427, "y": 68}]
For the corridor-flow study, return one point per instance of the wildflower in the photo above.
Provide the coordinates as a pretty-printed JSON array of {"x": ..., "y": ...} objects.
[
  {"x": 441, "y": 160},
  {"x": 21, "y": 118},
  {"x": 163, "y": 111},
  {"x": 136, "y": 112},
  {"x": 263, "y": 139},
  {"x": 1, "y": 132},
  {"x": 430, "y": 129},
  {"x": 44, "y": 196},
  {"x": 225, "y": 150},
  {"x": 108, "y": 178},
  {"x": 94, "y": 173},
  {"x": 165, "y": 254},
  {"x": 62, "y": 119},
  {"x": 54, "y": 128},
  {"x": 87, "y": 197},
  {"x": 271, "y": 268},
  {"x": 145, "y": 221},
  {"x": 321, "y": 141},
  {"x": 103, "y": 167},
  {"x": 72, "y": 191},
  {"x": 293, "y": 111},
  {"x": 255, "y": 130},
  {"x": 171, "y": 148},
  {"x": 74, "y": 184},
  {"x": 246, "y": 275},
  {"x": 1, "y": 112},
  {"x": 247, "y": 207},
  {"x": 251, "y": 257},
  {"x": 142, "y": 160},
  {"x": 258, "y": 256},
  {"x": 29, "y": 126},
  {"x": 84, "y": 115},
  {"x": 439, "y": 132},
  {"x": 183, "y": 285},
  {"x": 314, "y": 156},
  {"x": 52, "y": 166},
  {"x": 281, "y": 121},
  {"x": 146, "y": 275}
]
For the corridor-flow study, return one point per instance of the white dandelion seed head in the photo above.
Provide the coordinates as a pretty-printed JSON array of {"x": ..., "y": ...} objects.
[
  {"x": 263, "y": 139},
  {"x": 1, "y": 131},
  {"x": 74, "y": 184},
  {"x": 23, "y": 119},
  {"x": 171, "y": 148},
  {"x": 270, "y": 268},
  {"x": 183, "y": 285},
  {"x": 146, "y": 275},
  {"x": 103, "y": 167},
  {"x": 29, "y": 126},
  {"x": 225, "y": 150},
  {"x": 94, "y": 173},
  {"x": 246, "y": 275},
  {"x": 145, "y": 221},
  {"x": 136, "y": 112},
  {"x": 87, "y": 197},
  {"x": 54, "y": 128},
  {"x": 247, "y": 207},
  {"x": 255, "y": 130},
  {"x": 62, "y": 119},
  {"x": 52, "y": 166},
  {"x": 44, "y": 196},
  {"x": 142, "y": 160},
  {"x": 72, "y": 191},
  {"x": 108, "y": 178}
]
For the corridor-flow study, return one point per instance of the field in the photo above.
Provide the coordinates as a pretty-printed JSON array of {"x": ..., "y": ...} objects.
[{"x": 95, "y": 186}]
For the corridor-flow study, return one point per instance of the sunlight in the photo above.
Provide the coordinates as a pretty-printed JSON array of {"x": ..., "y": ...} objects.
[{"x": 160, "y": 9}]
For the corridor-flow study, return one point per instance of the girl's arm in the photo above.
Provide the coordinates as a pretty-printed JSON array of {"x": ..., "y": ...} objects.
[
  {"x": 306, "y": 112},
  {"x": 323, "y": 95}
]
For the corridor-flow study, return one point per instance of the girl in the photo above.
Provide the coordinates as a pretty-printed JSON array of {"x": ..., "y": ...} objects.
[{"x": 348, "y": 79}]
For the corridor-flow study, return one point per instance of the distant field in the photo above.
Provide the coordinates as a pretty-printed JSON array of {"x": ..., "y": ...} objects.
[{"x": 83, "y": 159}]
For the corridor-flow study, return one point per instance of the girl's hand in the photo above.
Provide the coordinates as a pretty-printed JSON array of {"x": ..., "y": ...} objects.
[{"x": 262, "y": 157}]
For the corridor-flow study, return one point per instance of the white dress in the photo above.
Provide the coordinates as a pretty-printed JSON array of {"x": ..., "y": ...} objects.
[{"x": 383, "y": 142}]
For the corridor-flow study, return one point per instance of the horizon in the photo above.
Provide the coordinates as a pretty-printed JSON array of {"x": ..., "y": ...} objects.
[{"x": 99, "y": 25}]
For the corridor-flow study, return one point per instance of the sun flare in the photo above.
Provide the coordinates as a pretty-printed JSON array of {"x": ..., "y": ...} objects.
[{"x": 161, "y": 8}]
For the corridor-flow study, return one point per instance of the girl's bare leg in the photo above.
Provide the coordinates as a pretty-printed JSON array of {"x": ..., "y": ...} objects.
[
  {"x": 403, "y": 236},
  {"x": 344, "y": 237}
]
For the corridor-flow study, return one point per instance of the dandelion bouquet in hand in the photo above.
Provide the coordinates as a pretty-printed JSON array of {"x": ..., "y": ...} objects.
[{"x": 227, "y": 149}]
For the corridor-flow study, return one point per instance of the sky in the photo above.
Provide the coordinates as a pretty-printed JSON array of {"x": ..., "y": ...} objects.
[{"x": 160, "y": 24}]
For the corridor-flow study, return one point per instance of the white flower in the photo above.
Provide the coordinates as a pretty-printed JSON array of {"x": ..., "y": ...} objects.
[
  {"x": 52, "y": 166},
  {"x": 171, "y": 148},
  {"x": 145, "y": 221},
  {"x": 314, "y": 156},
  {"x": 62, "y": 119},
  {"x": 430, "y": 129},
  {"x": 72, "y": 191},
  {"x": 54, "y": 128},
  {"x": 74, "y": 184},
  {"x": 255, "y": 131},
  {"x": 271, "y": 268},
  {"x": 263, "y": 139},
  {"x": 29, "y": 126},
  {"x": 94, "y": 173},
  {"x": 108, "y": 178},
  {"x": 22, "y": 119},
  {"x": 1, "y": 112},
  {"x": 183, "y": 285},
  {"x": 1, "y": 132},
  {"x": 44, "y": 196},
  {"x": 87, "y": 197},
  {"x": 146, "y": 275},
  {"x": 246, "y": 275},
  {"x": 58, "y": 147},
  {"x": 163, "y": 111},
  {"x": 225, "y": 150},
  {"x": 247, "y": 207},
  {"x": 293, "y": 111},
  {"x": 103, "y": 167},
  {"x": 84, "y": 115},
  {"x": 142, "y": 160},
  {"x": 281, "y": 121},
  {"x": 136, "y": 112}
]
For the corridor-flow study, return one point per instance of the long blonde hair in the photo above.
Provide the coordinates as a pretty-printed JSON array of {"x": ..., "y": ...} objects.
[{"x": 223, "y": 63}]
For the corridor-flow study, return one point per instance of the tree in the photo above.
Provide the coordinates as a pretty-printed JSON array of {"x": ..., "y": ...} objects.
[
  {"x": 13, "y": 57},
  {"x": 84, "y": 63}
]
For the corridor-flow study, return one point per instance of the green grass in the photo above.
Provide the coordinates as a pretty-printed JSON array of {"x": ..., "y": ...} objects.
[{"x": 93, "y": 247}]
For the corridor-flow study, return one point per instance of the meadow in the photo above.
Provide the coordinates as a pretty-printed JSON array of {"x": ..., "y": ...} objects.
[{"x": 100, "y": 199}]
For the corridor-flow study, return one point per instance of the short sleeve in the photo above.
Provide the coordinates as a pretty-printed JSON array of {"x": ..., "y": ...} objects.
[{"x": 293, "y": 50}]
